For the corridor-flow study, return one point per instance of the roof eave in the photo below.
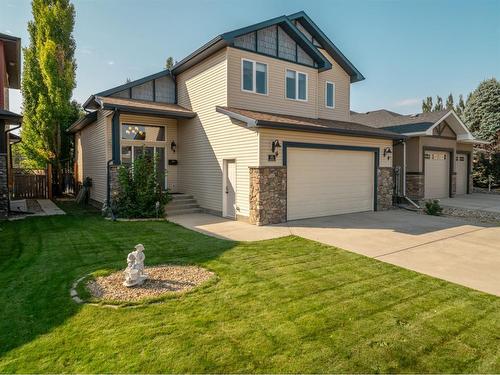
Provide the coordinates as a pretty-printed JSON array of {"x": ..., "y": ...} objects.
[
  {"x": 306, "y": 128},
  {"x": 150, "y": 111},
  {"x": 14, "y": 71}
]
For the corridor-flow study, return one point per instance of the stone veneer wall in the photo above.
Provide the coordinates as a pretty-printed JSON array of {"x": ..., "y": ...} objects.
[
  {"x": 453, "y": 184},
  {"x": 267, "y": 195},
  {"x": 415, "y": 186},
  {"x": 4, "y": 188},
  {"x": 385, "y": 188},
  {"x": 113, "y": 181}
]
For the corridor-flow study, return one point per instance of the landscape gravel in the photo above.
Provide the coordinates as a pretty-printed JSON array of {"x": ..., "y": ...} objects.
[{"x": 161, "y": 280}]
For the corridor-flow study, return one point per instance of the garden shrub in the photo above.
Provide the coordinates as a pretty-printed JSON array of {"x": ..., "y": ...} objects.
[
  {"x": 139, "y": 190},
  {"x": 432, "y": 207}
]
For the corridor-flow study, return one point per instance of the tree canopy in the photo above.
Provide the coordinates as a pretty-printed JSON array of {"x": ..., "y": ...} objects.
[
  {"x": 48, "y": 82},
  {"x": 482, "y": 110}
]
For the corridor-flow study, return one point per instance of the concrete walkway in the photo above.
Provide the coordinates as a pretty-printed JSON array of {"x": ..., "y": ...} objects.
[
  {"x": 443, "y": 247},
  {"x": 49, "y": 208},
  {"x": 475, "y": 201}
]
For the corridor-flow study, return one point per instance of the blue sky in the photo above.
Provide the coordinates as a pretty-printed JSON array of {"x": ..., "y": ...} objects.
[{"x": 405, "y": 49}]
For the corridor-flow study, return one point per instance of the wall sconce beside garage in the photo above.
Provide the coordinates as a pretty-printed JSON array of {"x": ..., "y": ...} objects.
[{"x": 388, "y": 152}]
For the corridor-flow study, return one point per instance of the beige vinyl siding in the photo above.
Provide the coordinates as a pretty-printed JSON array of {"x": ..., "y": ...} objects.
[
  {"x": 171, "y": 135},
  {"x": 274, "y": 101},
  {"x": 211, "y": 137},
  {"x": 342, "y": 83},
  {"x": 94, "y": 156},
  {"x": 267, "y": 136}
]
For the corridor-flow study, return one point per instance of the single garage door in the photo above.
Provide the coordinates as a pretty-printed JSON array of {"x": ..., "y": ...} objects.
[
  {"x": 328, "y": 182},
  {"x": 437, "y": 166},
  {"x": 462, "y": 161}
]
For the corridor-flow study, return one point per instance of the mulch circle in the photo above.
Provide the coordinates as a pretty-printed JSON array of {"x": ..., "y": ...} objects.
[{"x": 161, "y": 280}]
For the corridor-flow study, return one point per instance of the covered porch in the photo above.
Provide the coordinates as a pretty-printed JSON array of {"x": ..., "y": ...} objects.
[{"x": 138, "y": 127}]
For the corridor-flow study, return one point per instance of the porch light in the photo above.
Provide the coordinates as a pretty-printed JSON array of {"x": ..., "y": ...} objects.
[
  {"x": 173, "y": 146},
  {"x": 275, "y": 147},
  {"x": 387, "y": 152}
]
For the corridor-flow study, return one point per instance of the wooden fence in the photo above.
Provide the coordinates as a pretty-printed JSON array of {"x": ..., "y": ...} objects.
[{"x": 30, "y": 185}]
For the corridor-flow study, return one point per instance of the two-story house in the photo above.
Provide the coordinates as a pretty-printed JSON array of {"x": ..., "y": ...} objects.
[
  {"x": 10, "y": 78},
  {"x": 255, "y": 125}
]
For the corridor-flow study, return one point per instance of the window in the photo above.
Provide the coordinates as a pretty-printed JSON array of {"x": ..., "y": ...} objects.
[
  {"x": 253, "y": 77},
  {"x": 147, "y": 140},
  {"x": 330, "y": 95},
  {"x": 296, "y": 85},
  {"x": 143, "y": 133}
]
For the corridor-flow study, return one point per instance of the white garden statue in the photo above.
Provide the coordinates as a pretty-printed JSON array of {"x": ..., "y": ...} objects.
[{"x": 134, "y": 273}]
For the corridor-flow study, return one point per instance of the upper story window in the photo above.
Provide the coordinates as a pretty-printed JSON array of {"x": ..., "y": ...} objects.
[
  {"x": 296, "y": 85},
  {"x": 253, "y": 76},
  {"x": 330, "y": 94}
]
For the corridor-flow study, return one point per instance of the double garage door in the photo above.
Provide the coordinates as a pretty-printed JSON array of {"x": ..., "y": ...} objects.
[{"x": 323, "y": 182}]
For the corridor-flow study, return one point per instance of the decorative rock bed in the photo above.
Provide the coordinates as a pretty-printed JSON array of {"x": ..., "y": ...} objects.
[{"x": 161, "y": 280}]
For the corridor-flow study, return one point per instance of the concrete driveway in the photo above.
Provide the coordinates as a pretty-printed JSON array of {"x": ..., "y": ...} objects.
[
  {"x": 475, "y": 201},
  {"x": 443, "y": 247}
]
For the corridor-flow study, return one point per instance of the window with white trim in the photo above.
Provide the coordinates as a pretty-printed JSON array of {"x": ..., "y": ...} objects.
[
  {"x": 329, "y": 94},
  {"x": 253, "y": 77},
  {"x": 296, "y": 85}
]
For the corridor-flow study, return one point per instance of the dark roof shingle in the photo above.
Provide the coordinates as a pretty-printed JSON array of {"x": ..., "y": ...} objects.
[{"x": 289, "y": 122}]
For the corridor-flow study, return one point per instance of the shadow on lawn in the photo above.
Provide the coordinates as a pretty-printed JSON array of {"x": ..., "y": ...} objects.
[{"x": 41, "y": 257}]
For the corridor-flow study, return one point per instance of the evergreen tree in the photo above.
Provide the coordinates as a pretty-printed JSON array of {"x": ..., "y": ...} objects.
[
  {"x": 48, "y": 83},
  {"x": 169, "y": 64},
  {"x": 449, "y": 102},
  {"x": 482, "y": 110},
  {"x": 439, "y": 104},
  {"x": 427, "y": 104},
  {"x": 460, "y": 107}
]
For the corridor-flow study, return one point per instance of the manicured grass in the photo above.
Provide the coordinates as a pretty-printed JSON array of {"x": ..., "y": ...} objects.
[{"x": 286, "y": 305}]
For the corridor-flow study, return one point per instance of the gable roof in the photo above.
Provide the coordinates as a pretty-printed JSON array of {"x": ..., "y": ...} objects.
[
  {"x": 383, "y": 118},
  {"x": 227, "y": 39},
  {"x": 289, "y": 122},
  {"x": 328, "y": 45}
]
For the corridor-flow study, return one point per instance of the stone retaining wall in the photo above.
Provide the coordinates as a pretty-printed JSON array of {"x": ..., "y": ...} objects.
[{"x": 267, "y": 195}]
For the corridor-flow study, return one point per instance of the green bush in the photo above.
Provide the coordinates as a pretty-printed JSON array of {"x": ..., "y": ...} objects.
[
  {"x": 432, "y": 207},
  {"x": 139, "y": 190}
]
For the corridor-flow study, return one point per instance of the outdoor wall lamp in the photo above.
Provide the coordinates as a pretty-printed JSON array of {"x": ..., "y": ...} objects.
[
  {"x": 387, "y": 152},
  {"x": 173, "y": 146},
  {"x": 275, "y": 147}
]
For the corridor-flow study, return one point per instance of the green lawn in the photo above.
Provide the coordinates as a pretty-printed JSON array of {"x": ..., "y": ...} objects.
[{"x": 286, "y": 305}]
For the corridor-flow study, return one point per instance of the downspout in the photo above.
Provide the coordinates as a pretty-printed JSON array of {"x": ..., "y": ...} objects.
[{"x": 114, "y": 158}]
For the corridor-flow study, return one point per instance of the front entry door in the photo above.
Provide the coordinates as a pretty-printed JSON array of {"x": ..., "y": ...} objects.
[{"x": 229, "y": 186}]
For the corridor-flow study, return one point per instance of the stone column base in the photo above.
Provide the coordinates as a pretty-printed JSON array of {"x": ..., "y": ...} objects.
[
  {"x": 4, "y": 187},
  {"x": 267, "y": 195},
  {"x": 385, "y": 188},
  {"x": 415, "y": 185}
]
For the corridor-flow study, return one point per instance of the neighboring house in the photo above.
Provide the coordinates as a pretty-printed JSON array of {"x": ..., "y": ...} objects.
[
  {"x": 255, "y": 124},
  {"x": 10, "y": 78},
  {"x": 438, "y": 151}
]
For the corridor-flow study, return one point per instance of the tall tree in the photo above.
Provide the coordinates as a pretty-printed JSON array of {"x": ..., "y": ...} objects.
[
  {"x": 169, "y": 64},
  {"x": 460, "y": 107},
  {"x": 482, "y": 110},
  {"x": 439, "y": 104},
  {"x": 48, "y": 82},
  {"x": 449, "y": 102},
  {"x": 427, "y": 104}
]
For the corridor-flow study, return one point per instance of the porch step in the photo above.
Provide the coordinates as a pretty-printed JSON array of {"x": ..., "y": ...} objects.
[{"x": 182, "y": 204}]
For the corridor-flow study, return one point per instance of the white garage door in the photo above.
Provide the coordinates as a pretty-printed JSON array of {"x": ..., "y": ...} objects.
[
  {"x": 328, "y": 182},
  {"x": 461, "y": 174},
  {"x": 437, "y": 165}
]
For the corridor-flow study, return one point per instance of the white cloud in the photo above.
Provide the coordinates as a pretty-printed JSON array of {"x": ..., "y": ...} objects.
[
  {"x": 111, "y": 62},
  {"x": 407, "y": 102},
  {"x": 8, "y": 32},
  {"x": 86, "y": 50}
]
